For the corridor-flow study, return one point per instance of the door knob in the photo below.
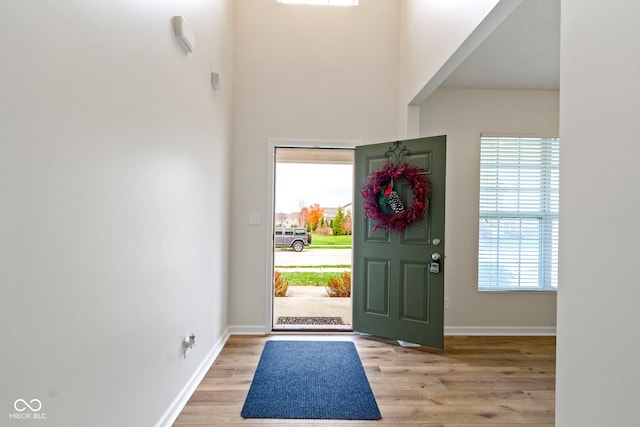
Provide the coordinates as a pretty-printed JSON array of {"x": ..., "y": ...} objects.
[{"x": 435, "y": 256}]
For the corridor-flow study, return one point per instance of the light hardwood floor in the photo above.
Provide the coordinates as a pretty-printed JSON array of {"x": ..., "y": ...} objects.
[{"x": 473, "y": 381}]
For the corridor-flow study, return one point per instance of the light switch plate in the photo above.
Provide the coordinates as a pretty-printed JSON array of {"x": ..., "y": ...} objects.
[{"x": 255, "y": 218}]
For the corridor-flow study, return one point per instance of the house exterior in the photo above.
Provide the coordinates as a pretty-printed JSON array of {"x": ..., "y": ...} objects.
[{"x": 135, "y": 196}]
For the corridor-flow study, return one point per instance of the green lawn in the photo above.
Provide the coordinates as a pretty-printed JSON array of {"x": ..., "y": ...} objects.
[
  {"x": 298, "y": 278},
  {"x": 315, "y": 266},
  {"x": 323, "y": 241}
]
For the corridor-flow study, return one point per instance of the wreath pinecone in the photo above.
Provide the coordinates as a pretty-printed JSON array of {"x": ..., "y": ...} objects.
[
  {"x": 388, "y": 197},
  {"x": 395, "y": 203}
]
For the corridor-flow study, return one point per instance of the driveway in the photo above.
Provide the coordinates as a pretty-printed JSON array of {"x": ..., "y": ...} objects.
[{"x": 283, "y": 257}]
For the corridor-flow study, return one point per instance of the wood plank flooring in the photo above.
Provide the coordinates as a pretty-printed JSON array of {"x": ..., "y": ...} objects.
[{"x": 473, "y": 381}]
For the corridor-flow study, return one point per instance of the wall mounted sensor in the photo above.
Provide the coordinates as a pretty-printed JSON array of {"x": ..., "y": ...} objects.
[
  {"x": 183, "y": 33},
  {"x": 215, "y": 81}
]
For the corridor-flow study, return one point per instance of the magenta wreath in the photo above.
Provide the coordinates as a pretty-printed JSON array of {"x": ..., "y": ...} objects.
[{"x": 375, "y": 198}]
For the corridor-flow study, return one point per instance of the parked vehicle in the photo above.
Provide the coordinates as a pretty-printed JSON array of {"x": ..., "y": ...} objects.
[{"x": 292, "y": 237}]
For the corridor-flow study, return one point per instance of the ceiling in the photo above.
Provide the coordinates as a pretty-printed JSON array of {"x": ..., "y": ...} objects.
[{"x": 522, "y": 53}]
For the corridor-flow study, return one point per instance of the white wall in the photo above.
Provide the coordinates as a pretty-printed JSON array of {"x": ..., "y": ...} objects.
[
  {"x": 462, "y": 115},
  {"x": 435, "y": 37},
  {"x": 598, "y": 343},
  {"x": 114, "y": 177},
  {"x": 431, "y": 32},
  {"x": 302, "y": 73}
]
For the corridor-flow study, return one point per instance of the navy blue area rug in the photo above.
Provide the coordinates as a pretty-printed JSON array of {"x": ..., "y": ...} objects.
[{"x": 310, "y": 380}]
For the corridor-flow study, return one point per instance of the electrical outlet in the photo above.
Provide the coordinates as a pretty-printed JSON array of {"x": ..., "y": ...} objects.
[
  {"x": 188, "y": 343},
  {"x": 446, "y": 303}
]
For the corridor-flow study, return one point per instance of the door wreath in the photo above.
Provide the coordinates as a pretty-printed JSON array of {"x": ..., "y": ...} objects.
[{"x": 382, "y": 204}]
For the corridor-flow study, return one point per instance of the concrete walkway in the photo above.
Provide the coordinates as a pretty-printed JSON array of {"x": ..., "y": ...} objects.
[
  {"x": 312, "y": 257},
  {"x": 311, "y": 301}
]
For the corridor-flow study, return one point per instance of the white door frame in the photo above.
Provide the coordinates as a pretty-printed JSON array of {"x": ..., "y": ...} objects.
[{"x": 274, "y": 143}]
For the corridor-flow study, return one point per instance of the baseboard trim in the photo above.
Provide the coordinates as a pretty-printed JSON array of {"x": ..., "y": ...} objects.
[
  {"x": 448, "y": 330},
  {"x": 172, "y": 413},
  {"x": 501, "y": 330},
  {"x": 248, "y": 330}
]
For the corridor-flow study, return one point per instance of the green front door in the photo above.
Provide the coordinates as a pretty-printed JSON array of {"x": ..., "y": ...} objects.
[{"x": 396, "y": 292}]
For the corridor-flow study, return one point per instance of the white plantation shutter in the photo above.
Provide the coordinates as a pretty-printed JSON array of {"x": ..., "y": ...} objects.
[{"x": 518, "y": 240}]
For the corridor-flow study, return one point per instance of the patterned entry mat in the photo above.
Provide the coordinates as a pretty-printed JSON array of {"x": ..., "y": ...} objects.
[{"x": 297, "y": 320}]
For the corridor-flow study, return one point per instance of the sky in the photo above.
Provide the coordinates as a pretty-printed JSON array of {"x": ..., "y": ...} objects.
[{"x": 329, "y": 185}]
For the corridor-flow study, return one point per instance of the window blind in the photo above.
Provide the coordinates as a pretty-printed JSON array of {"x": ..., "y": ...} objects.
[{"x": 518, "y": 233}]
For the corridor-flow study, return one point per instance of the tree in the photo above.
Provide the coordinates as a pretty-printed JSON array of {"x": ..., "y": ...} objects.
[
  {"x": 316, "y": 213},
  {"x": 336, "y": 226},
  {"x": 347, "y": 224},
  {"x": 303, "y": 215}
]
